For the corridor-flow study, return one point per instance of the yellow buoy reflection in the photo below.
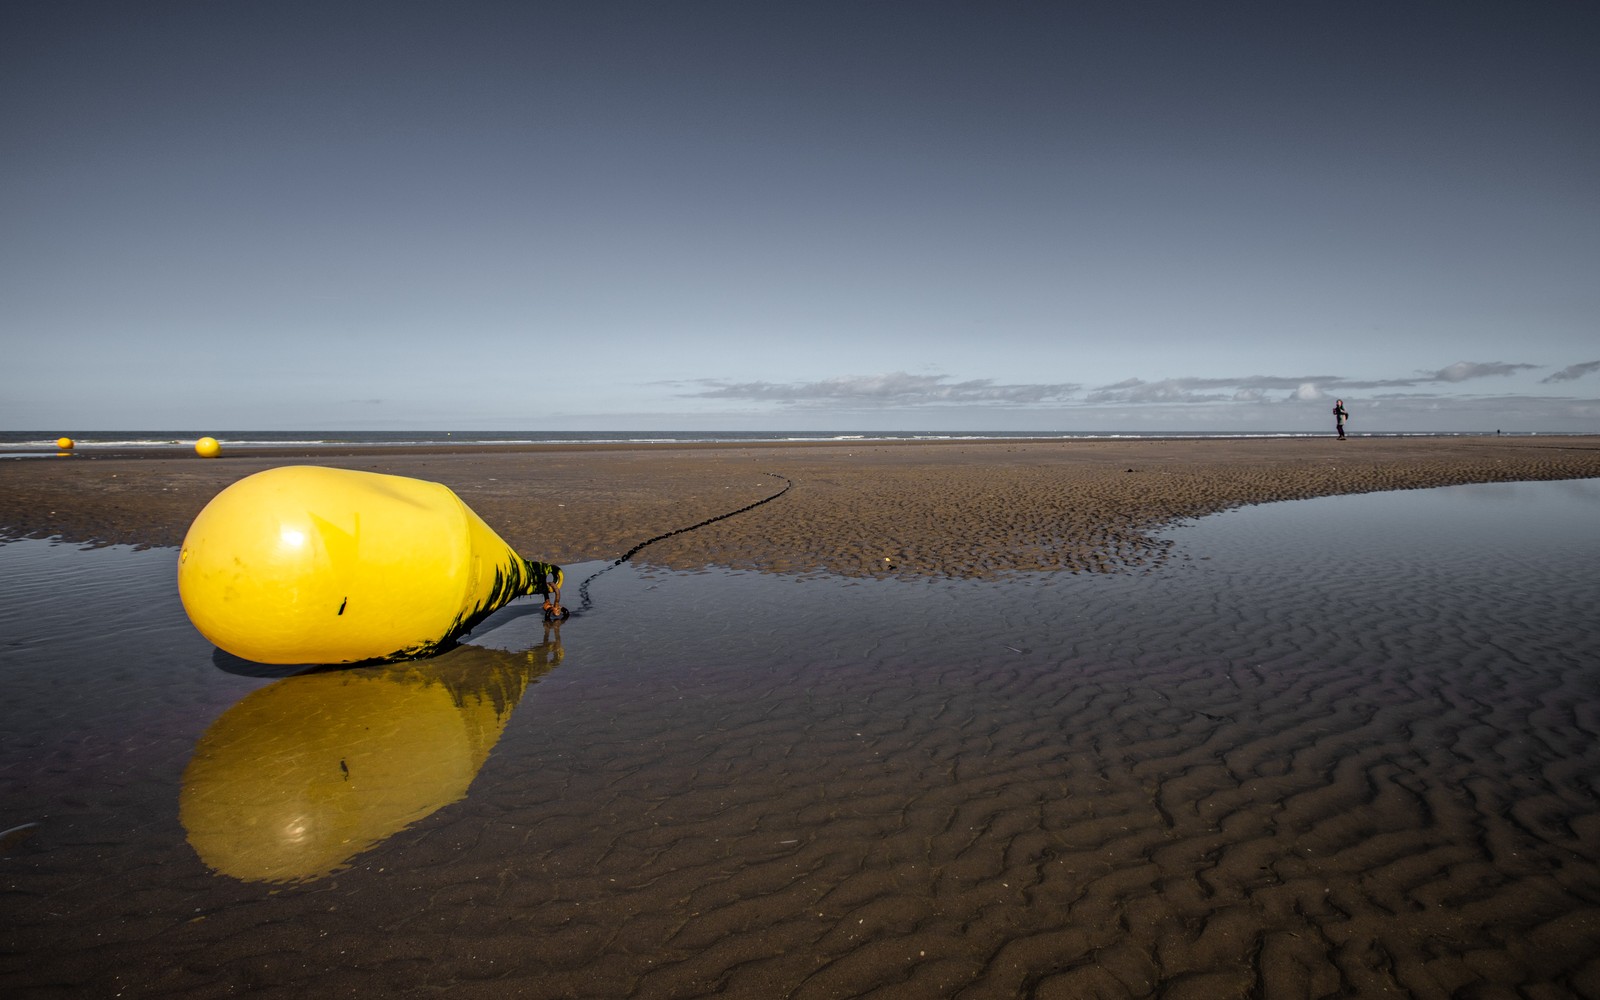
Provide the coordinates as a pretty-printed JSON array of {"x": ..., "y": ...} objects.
[{"x": 304, "y": 774}]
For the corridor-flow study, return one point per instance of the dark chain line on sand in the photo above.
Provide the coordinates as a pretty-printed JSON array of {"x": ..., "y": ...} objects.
[{"x": 584, "y": 602}]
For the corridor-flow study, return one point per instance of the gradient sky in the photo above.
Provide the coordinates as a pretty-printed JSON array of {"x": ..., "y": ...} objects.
[{"x": 807, "y": 216}]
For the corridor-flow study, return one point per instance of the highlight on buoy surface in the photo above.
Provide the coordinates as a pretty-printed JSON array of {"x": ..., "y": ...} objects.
[
  {"x": 207, "y": 447},
  {"x": 305, "y": 564},
  {"x": 65, "y": 443}
]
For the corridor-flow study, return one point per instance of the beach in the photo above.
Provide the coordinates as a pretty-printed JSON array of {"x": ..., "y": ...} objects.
[
  {"x": 904, "y": 509},
  {"x": 848, "y": 742}
]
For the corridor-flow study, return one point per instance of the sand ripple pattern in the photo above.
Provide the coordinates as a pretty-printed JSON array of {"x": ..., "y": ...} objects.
[
  {"x": 1379, "y": 780},
  {"x": 911, "y": 511},
  {"x": 1073, "y": 827}
]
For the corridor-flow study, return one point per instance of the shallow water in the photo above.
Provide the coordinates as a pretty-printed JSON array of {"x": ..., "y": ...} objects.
[{"x": 1333, "y": 747}]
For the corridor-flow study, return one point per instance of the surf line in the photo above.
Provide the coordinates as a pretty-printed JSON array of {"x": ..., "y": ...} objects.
[{"x": 584, "y": 602}]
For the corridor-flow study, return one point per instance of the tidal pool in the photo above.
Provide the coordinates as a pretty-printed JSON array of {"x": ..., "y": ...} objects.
[{"x": 1334, "y": 746}]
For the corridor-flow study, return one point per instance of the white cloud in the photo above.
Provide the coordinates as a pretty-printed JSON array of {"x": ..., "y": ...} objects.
[
  {"x": 1571, "y": 372},
  {"x": 1248, "y": 388},
  {"x": 1464, "y": 370},
  {"x": 892, "y": 389},
  {"x": 1165, "y": 391}
]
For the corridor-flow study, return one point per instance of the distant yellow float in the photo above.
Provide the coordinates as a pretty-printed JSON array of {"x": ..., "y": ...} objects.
[
  {"x": 304, "y": 564},
  {"x": 207, "y": 447},
  {"x": 65, "y": 443}
]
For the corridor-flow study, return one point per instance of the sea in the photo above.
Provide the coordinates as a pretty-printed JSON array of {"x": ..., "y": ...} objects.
[
  {"x": 31, "y": 443},
  {"x": 1347, "y": 746}
]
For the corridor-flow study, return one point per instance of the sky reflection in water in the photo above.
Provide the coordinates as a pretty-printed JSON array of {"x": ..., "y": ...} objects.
[{"x": 1284, "y": 656}]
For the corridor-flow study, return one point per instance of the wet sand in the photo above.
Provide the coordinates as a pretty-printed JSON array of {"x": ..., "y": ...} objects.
[
  {"x": 1230, "y": 777},
  {"x": 905, "y": 509}
]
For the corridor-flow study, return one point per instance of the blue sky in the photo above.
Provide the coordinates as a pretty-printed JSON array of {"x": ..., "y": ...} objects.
[{"x": 827, "y": 216}]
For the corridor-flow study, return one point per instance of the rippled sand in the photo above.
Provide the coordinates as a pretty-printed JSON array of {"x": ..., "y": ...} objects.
[
  {"x": 908, "y": 509},
  {"x": 1350, "y": 751}
]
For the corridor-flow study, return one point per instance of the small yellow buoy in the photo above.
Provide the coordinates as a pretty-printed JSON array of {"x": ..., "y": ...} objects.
[
  {"x": 207, "y": 447},
  {"x": 65, "y": 443},
  {"x": 304, "y": 564}
]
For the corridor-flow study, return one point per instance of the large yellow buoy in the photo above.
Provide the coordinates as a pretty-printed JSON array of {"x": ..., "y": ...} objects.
[
  {"x": 65, "y": 443},
  {"x": 304, "y": 564},
  {"x": 207, "y": 447},
  {"x": 302, "y": 775}
]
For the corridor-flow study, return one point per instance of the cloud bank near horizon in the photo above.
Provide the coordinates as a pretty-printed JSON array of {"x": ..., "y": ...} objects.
[
  {"x": 891, "y": 389},
  {"x": 901, "y": 390},
  {"x": 1571, "y": 372}
]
